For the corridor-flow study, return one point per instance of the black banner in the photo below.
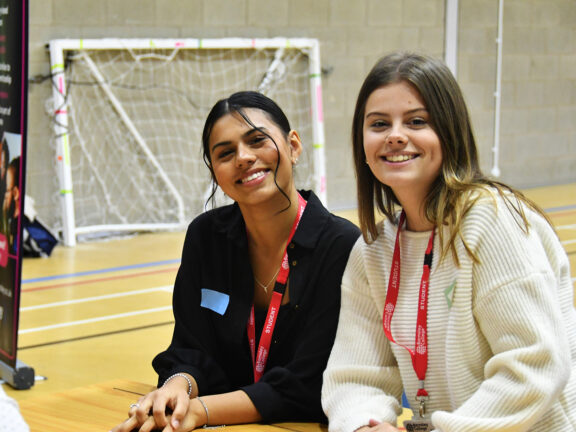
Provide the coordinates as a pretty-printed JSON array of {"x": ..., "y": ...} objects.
[{"x": 13, "y": 116}]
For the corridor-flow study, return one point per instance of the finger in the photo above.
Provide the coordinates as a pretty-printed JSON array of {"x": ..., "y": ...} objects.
[
  {"x": 143, "y": 410},
  {"x": 148, "y": 425},
  {"x": 132, "y": 409},
  {"x": 386, "y": 427},
  {"x": 373, "y": 423},
  {"x": 159, "y": 413},
  {"x": 169, "y": 428},
  {"x": 126, "y": 426},
  {"x": 134, "y": 406},
  {"x": 180, "y": 409}
]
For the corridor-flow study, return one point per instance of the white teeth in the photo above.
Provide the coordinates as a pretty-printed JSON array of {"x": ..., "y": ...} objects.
[
  {"x": 399, "y": 158},
  {"x": 253, "y": 176}
]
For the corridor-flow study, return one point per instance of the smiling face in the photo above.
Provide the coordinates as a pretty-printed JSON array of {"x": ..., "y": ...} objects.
[
  {"x": 244, "y": 157},
  {"x": 11, "y": 193},
  {"x": 402, "y": 149}
]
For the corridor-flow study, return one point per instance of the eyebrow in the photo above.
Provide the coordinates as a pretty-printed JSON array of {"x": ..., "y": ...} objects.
[
  {"x": 412, "y": 111},
  {"x": 246, "y": 134}
]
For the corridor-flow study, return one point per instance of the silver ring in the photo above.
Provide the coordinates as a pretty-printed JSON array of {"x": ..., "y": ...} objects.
[{"x": 134, "y": 405}]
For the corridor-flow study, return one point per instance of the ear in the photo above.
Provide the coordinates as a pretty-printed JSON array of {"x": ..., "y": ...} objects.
[{"x": 295, "y": 146}]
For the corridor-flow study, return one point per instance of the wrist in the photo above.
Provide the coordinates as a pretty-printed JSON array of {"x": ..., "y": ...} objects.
[
  {"x": 201, "y": 413},
  {"x": 180, "y": 377}
]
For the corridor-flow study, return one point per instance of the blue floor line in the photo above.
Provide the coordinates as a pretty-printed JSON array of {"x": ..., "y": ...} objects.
[
  {"x": 107, "y": 270},
  {"x": 563, "y": 208}
]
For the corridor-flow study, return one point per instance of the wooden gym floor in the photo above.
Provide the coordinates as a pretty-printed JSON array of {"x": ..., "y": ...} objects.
[{"x": 102, "y": 310}]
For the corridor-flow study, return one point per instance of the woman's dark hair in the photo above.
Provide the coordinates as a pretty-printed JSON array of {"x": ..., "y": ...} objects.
[
  {"x": 6, "y": 153},
  {"x": 238, "y": 103}
]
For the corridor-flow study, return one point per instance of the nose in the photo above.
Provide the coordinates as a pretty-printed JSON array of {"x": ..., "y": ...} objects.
[
  {"x": 245, "y": 156},
  {"x": 396, "y": 136}
]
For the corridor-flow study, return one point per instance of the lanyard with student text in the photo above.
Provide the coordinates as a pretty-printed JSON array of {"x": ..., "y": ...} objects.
[
  {"x": 419, "y": 354},
  {"x": 260, "y": 358}
]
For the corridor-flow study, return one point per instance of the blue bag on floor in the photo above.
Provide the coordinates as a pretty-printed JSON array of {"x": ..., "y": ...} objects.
[{"x": 37, "y": 240}]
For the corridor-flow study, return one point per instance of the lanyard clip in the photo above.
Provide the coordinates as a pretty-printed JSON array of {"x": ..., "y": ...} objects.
[
  {"x": 422, "y": 397},
  {"x": 422, "y": 407}
]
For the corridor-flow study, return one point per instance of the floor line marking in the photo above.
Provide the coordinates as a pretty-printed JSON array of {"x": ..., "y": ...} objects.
[
  {"x": 106, "y": 270},
  {"x": 96, "y": 335},
  {"x": 560, "y": 213},
  {"x": 560, "y": 208},
  {"x": 89, "y": 281},
  {"x": 93, "y": 320},
  {"x": 167, "y": 288}
]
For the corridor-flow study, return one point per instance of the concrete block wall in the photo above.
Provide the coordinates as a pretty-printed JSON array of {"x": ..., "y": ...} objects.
[
  {"x": 538, "y": 135},
  {"x": 538, "y": 119}
]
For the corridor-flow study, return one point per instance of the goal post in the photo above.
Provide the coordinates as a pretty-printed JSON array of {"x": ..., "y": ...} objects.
[{"x": 128, "y": 116}]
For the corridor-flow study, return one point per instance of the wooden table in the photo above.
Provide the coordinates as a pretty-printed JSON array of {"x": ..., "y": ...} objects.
[{"x": 100, "y": 407}]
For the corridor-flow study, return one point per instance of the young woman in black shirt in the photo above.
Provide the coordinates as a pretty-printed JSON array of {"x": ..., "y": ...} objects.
[{"x": 257, "y": 296}]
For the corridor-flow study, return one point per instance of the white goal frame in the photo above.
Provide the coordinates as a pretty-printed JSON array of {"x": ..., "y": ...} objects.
[{"x": 58, "y": 49}]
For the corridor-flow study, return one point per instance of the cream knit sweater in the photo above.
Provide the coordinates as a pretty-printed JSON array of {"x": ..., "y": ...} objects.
[
  {"x": 501, "y": 333},
  {"x": 10, "y": 418}
]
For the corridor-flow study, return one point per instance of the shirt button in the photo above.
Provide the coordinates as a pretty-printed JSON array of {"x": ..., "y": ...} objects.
[
  {"x": 294, "y": 263},
  {"x": 291, "y": 246}
]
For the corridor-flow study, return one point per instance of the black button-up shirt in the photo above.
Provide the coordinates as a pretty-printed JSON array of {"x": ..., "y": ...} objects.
[{"x": 210, "y": 339}]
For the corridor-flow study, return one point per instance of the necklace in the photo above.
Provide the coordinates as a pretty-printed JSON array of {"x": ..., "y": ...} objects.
[{"x": 265, "y": 287}]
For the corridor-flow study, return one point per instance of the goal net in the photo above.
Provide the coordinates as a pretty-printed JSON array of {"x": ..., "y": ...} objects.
[{"x": 128, "y": 116}]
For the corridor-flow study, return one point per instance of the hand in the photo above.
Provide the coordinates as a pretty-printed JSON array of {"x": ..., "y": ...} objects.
[
  {"x": 168, "y": 406},
  {"x": 193, "y": 418},
  {"x": 376, "y": 426}
]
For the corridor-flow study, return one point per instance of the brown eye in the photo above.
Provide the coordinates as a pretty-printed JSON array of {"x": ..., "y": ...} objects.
[
  {"x": 418, "y": 122},
  {"x": 258, "y": 140},
  {"x": 378, "y": 124},
  {"x": 224, "y": 153}
]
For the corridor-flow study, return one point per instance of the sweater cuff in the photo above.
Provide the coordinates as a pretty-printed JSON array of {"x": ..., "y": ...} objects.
[{"x": 266, "y": 400}]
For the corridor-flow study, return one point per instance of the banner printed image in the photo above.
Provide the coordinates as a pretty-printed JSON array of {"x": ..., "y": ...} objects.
[{"x": 10, "y": 196}]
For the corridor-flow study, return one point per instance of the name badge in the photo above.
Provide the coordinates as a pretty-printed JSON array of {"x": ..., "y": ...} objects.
[{"x": 418, "y": 425}]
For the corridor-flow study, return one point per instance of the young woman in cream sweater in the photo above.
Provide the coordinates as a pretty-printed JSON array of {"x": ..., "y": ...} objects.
[{"x": 461, "y": 296}]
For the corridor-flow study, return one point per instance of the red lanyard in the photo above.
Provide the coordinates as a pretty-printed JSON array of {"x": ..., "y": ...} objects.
[
  {"x": 419, "y": 354},
  {"x": 259, "y": 362}
]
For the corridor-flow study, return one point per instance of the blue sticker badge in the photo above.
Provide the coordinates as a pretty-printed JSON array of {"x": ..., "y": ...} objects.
[{"x": 214, "y": 300}]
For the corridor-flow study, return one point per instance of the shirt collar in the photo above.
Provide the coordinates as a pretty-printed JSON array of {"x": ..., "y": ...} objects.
[{"x": 312, "y": 222}]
